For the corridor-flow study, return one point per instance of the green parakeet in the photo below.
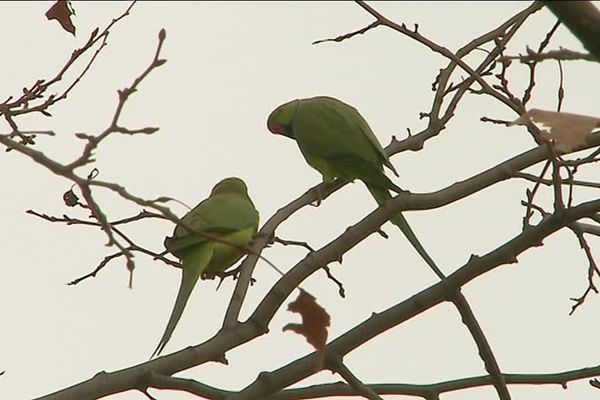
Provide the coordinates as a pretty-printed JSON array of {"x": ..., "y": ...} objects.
[
  {"x": 227, "y": 213},
  {"x": 337, "y": 141}
]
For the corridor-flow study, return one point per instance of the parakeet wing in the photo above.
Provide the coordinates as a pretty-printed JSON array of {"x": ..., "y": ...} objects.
[
  {"x": 217, "y": 215},
  {"x": 328, "y": 127}
]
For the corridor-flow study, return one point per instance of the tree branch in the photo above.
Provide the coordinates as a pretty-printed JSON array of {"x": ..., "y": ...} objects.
[{"x": 583, "y": 20}]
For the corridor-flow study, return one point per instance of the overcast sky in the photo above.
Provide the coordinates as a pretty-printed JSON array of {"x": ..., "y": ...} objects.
[{"x": 229, "y": 64}]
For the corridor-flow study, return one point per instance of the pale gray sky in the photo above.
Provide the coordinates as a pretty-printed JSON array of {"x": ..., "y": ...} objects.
[{"x": 229, "y": 64}]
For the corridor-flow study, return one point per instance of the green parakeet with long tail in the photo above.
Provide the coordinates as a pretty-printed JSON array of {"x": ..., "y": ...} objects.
[
  {"x": 229, "y": 214},
  {"x": 337, "y": 141}
]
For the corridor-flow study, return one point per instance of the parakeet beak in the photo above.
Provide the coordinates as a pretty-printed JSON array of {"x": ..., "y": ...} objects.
[
  {"x": 280, "y": 129},
  {"x": 280, "y": 120}
]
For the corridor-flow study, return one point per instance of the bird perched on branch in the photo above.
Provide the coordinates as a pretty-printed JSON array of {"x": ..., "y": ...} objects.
[
  {"x": 228, "y": 215},
  {"x": 337, "y": 141}
]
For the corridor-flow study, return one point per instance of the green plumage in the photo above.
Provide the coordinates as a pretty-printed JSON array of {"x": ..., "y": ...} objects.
[
  {"x": 228, "y": 213},
  {"x": 337, "y": 141}
]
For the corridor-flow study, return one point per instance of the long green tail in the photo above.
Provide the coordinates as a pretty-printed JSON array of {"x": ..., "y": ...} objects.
[
  {"x": 383, "y": 195},
  {"x": 193, "y": 264}
]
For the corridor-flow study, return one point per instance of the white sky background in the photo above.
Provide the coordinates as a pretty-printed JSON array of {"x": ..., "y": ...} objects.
[{"x": 229, "y": 65}]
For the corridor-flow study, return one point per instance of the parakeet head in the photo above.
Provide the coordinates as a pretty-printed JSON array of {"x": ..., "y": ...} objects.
[
  {"x": 230, "y": 185},
  {"x": 280, "y": 120}
]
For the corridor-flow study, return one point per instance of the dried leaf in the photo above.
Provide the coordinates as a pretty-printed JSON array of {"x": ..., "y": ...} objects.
[
  {"x": 567, "y": 131},
  {"x": 70, "y": 198},
  {"x": 315, "y": 320},
  {"x": 61, "y": 11}
]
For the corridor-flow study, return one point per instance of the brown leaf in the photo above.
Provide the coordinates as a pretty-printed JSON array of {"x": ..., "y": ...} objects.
[
  {"x": 567, "y": 131},
  {"x": 315, "y": 320},
  {"x": 70, "y": 198},
  {"x": 61, "y": 11}
]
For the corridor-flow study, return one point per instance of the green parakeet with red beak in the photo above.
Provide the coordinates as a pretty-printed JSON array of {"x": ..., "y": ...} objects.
[
  {"x": 229, "y": 214},
  {"x": 337, "y": 141}
]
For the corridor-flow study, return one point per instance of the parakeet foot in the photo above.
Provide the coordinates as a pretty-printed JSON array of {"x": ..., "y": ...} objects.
[{"x": 318, "y": 195}]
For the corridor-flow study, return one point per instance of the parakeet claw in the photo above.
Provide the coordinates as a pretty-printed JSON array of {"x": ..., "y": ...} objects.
[
  {"x": 319, "y": 197},
  {"x": 222, "y": 278},
  {"x": 383, "y": 234},
  {"x": 268, "y": 236}
]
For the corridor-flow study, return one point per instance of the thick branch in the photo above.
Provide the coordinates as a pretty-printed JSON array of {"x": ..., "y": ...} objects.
[
  {"x": 302, "y": 368},
  {"x": 583, "y": 20},
  {"x": 433, "y": 390}
]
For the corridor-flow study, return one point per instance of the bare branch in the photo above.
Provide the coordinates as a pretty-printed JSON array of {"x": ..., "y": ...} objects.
[
  {"x": 433, "y": 390},
  {"x": 561, "y": 54},
  {"x": 483, "y": 346},
  {"x": 337, "y": 365}
]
